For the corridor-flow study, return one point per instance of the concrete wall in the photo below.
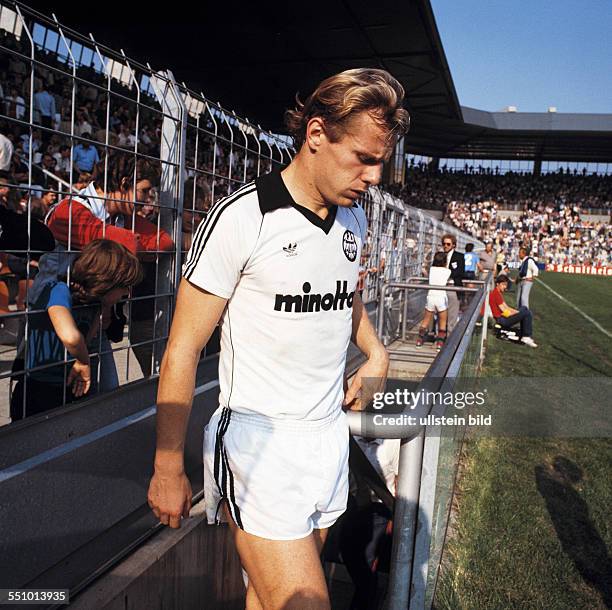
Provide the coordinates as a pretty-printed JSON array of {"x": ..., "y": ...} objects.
[{"x": 195, "y": 567}]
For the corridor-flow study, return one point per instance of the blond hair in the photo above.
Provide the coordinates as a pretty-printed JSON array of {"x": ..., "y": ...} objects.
[{"x": 340, "y": 97}]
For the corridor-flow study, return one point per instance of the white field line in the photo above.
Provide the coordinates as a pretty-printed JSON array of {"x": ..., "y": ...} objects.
[{"x": 597, "y": 325}]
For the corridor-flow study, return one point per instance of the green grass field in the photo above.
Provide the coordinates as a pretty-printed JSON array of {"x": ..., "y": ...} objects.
[
  {"x": 569, "y": 345},
  {"x": 532, "y": 525}
]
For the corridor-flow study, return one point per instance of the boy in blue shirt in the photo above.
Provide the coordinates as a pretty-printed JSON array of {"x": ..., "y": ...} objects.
[
  {"x": 100, "y": 277},
  {"x": 471, "y": 259}
]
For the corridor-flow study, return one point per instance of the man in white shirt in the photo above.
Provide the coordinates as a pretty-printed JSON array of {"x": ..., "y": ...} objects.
[
  {"x": 528, "y": 271},
  {"x": 487, "y": 259},
  {"x": 6, "y": 153},
  {"x": 278, "y": 262},
  {"x": 15, "y": 104},
  {"x": 62, "y": 161}
]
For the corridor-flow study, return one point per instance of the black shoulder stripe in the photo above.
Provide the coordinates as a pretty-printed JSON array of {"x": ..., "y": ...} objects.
[
  {"x": 204, "y": 234},
  {"x": 206, "y": 223},
  {"x": 358, "y": 223}
]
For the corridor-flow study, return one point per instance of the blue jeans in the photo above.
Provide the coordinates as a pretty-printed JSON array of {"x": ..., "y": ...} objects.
[
  {"x": 523, "y": 293},
  {"x": 523, "y": 316}
]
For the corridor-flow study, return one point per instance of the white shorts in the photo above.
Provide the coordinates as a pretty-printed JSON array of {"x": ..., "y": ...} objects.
[
  {"x": 437, "y": 300},
  {"x": 281, "y": 479}
]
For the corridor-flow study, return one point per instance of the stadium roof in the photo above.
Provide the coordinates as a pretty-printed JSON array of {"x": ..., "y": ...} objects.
[
  {"x": 519, "y": 135},
  {"x": 255, "y": 59}
]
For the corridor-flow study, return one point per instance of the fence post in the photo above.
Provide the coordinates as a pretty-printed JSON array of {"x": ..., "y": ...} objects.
[
  {"x": 485, "y": 320},
  {"x": 172, "y": 157},
  {"x": 404, "y": 523}
]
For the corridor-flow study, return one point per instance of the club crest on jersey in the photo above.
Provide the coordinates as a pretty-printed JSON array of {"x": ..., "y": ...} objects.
[
  {"x": 291, "y": 249},
  {"x": 349, "y": 245}
]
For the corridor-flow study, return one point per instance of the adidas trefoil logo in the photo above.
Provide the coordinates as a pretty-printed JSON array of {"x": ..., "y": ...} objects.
[{"x": 291, "y": 249}]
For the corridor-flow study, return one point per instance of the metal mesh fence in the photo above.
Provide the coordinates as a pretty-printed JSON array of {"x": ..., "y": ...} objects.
[{"x": 95, "y": 145}]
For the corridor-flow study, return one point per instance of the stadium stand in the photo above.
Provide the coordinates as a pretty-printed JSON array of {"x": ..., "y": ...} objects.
[
  {"x": 113, "y": 119},
  {"x": 555, "y": 234},
  {"x": 562, "y": 217}
]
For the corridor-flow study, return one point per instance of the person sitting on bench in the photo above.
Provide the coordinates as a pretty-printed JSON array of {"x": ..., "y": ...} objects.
[{"x": 506, "y": 316}]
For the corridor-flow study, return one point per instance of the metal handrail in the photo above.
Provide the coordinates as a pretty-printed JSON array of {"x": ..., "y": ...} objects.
[
  {"x": 410, "y": 284},
  {"x": 442, "y": 373},
  {"x": 362, "y": 422}
]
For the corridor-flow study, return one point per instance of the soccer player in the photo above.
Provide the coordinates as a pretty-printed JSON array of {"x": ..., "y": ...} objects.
[
  {"x": 437, "y": 301},
  {"x": 278, "y": 261}
]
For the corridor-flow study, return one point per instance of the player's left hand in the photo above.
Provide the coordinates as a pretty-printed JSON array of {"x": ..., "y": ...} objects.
[{"x": 357, "y": 397}]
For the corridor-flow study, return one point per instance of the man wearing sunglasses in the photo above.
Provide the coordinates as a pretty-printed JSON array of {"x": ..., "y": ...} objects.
[{"x": 456, "y": 264}]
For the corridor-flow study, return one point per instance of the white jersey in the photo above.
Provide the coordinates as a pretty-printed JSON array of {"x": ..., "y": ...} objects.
[
  {"x": 438, "y": 276},
  {"x": 290, "y": 278}
]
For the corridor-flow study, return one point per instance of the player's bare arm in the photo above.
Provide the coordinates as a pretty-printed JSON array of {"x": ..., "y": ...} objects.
[
  {"x": 376, "y": 367},
  {"x": 169, "y": 491}
]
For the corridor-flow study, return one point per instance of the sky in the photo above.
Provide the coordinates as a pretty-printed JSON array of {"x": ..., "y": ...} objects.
[{"x": 531, "y": 54}]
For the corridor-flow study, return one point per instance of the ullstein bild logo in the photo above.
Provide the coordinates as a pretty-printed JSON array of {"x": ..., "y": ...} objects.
[{"x": 315, "y": 302}]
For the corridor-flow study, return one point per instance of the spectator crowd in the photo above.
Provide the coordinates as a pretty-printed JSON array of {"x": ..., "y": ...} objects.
[
  {"x": 429, "y": 189},
  {"x": 70, "y": 137},
  {"x": 79, "y": 165},
  {"x": 548, "y": 211},
  {"x": 554, "y": 234}
]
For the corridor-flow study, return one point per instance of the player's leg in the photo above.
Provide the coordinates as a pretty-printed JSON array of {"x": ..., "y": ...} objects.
[
  {"x": 283, "y": 574},
  {"x": 427, "y": 316},
  {"x": 252, "y": 601},
  {"x": 320, "y": 535},
  {"x": 453, "y": 310},
  {"x": 442, "y": 321}
]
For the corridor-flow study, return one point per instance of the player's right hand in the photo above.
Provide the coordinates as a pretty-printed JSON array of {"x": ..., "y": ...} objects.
[{"x": 170, "y": 498}]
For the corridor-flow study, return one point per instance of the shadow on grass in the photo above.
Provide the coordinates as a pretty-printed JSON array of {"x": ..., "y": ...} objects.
[
  {"x": 576, "y": 532},
  {"x": 579, "y": 360}
]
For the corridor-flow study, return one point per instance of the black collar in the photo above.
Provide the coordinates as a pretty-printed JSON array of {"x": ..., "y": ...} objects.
[{"x": 273, "y": 194}]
